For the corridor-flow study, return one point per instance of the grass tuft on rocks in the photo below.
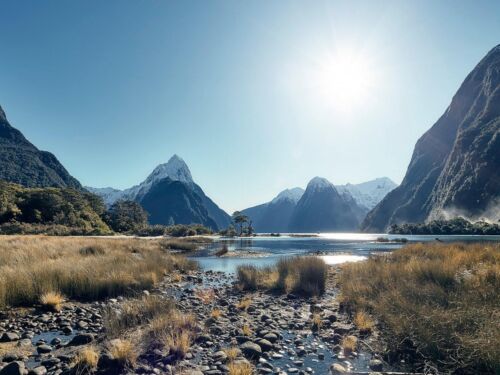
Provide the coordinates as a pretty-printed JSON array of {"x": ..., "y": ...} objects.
[
  {"x": 135, "y": 312},
  {"x": 240, "y": 368},
  {"x": 302, "y": 275},
  {"x": 438, "y": 303},
  {"x": 52, "y": 301},
  {"x": 124, "y": 352},
  {"x": 364, "y": 322},
  {"x": 85, "y": 360}
]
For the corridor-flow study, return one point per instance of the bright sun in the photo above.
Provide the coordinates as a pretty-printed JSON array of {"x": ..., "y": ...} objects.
[{"x": 344, "y": 80}]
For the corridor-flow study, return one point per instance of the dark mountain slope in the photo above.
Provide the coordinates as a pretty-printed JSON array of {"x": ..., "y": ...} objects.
[
  {"x": 322, "y": 209},
  {"x": 169, "y": 202},
  {"x": 455, "y": 164},
  {"x": 22, "y": 163}
]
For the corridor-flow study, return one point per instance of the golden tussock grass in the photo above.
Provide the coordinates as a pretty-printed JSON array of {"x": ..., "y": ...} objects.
[
  {"x": 205, "y": 295},
  {"x": 80, "y": 268},
  {"x": 135, "y": 312},
  {"x": 246, "y": 330},
  {"x": 85, "y": 360},
  {"x": 240, "y": 368},
  {"x": 232, "y": 353},
  {"x": 316, "y": 322},
  {"x": 349, "y": 345},
  {"x": 52, "y": 301},
  {"x": 440, "y": 302},
  {"x": 124, "y": 352},
  {"x": 364, "y": 322},
  {"x": 174, "y": 331},
  {"x": 216, "y": 313},
  {"x": 244, "y": 304},
  {"x": 302, "y": 275}
]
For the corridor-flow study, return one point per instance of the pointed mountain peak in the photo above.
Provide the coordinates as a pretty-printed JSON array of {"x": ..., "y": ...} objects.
[
  {"x": 319, "y": 183},
  {"x": 293, "y": 194},
  {"x": 176, "y": 169}
]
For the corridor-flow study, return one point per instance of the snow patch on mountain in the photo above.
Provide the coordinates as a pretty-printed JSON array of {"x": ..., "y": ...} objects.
[
  {"x": 319, "y": 183},
  {"x": 175, "y": 169},
  {"x": 370, "y": 193},
  {"x": 292, "y": 195}
]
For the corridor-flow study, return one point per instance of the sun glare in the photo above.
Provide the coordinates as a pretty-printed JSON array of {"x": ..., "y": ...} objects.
[{"x": 344, "y": 80}]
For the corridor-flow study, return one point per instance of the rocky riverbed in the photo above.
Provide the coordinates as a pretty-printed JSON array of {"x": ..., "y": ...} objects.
[{"x": 278, "y": 334}]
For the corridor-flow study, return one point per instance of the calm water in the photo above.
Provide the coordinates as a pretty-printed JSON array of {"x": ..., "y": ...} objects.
[{"x": 333, "y": 247}]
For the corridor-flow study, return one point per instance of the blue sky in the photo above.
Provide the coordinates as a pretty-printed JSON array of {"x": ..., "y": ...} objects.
[{"x": 256, "y": 96}]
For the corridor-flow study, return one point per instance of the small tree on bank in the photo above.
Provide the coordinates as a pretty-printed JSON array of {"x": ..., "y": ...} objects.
[{"x": 239, "y": 220}]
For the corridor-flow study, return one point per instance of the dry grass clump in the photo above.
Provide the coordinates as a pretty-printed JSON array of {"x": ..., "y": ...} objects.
[
  {"x": 205, "y": 295},
  {"x": 92, "y": 250},
  {"x": 182, "y": 245},
  {"x": 174, "y": 332},
  {"x": 349, "y": 345},
  {"x": 178, "y": 343},
  {"x": 52, "y": 301},
  {"x": 440, "y": 302},
  {"x": 240, "y": 368},
  {"x": 246, "y": 330},
  {"x": 85, "y": 360},
  {"x": 216, "y": 313},
  {"x": 232, "y": 353},
  {"x": 302, "y": 275},
  {"x": 135, "y": 312},
  {"x": 316, "y": 322},
  {"x": 124, "y": 352},
  {"x": 80, "y": 268},
  {"x": 244, "y": 304},
  {"x": 364, "y": 322},
  {"x": 176, "y": 278}
]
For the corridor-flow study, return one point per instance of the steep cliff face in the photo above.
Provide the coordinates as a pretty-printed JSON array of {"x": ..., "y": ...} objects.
[
  {"x": 22, "y": 163},
  {"x": 173, "y": 201},
  {"x": 455, "y": 165}
]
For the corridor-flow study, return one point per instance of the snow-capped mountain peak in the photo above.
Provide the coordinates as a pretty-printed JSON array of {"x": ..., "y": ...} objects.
[
  {"x": 176, "y": 169},
  {"x": 319, "y": 183},
  {"x": 293, "y": 195}
]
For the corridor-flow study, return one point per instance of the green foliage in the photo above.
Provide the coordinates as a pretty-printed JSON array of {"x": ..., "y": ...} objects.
[
  {"x": 229, "y": 232},
  {"x": 442, "y": 227},
  {"x": 181, "y": 230},
  {"x": 61, "y": 211},
  {"x": 126, "y": 216}
]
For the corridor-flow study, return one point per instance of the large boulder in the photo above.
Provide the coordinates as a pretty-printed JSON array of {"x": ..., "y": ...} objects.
[
  {"x": 14, "y": 368},
  {"x": 251, "y": 350}
]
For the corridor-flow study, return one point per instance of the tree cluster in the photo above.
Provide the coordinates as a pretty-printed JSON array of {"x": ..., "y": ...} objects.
[
  {"x": 454, "y": 226},
  {"x": 61, "y": 207}
]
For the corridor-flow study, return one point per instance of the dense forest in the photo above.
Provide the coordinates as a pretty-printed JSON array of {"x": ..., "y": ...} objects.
[{"x": 442, "y": 227}]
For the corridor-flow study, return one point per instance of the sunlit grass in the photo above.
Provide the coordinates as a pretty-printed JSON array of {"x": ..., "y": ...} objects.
[
  {"x": 438, "y": 302},
  {"x": 80, "y": 268}
]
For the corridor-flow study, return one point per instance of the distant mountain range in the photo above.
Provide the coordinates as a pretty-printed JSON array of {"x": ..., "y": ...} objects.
[
  {"x": 454, "y": 170},
  {"x": 321, "y": 207},
  {"x": 22, "y": 163},
  {"x": 170, "y": 195}
]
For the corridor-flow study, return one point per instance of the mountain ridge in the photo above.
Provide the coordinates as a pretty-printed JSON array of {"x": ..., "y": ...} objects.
[
  {"x": 23, "y": 163},
  {"x": 454, "y": 166}
]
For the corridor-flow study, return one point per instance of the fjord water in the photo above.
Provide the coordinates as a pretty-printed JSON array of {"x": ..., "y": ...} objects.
[{"x": 334, "y": 248}]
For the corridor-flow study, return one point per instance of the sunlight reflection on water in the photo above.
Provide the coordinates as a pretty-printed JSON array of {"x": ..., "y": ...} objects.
[{"x": 338, "y": 259}]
